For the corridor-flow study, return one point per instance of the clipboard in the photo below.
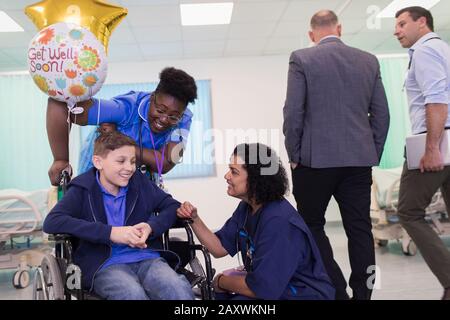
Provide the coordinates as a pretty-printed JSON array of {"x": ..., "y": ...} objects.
[{"x": 415, "y": 149}]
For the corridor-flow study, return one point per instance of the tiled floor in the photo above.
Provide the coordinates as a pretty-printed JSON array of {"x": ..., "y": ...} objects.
[{"x": 401, "y": 277}]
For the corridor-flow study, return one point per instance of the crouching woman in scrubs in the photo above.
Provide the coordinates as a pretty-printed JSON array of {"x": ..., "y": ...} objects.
[{"x": 279, "y": 255}]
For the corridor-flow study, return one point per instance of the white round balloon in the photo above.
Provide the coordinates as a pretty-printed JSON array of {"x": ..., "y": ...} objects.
[{"x": 67, "y": 62}]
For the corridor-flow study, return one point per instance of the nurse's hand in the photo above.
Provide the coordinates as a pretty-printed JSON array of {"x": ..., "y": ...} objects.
[
  {"x": 217, "y": 283},
  {"x": 58, "y": 166},
  {"x": 107, "y": 127},
  {"x": 187, "y": 211}
]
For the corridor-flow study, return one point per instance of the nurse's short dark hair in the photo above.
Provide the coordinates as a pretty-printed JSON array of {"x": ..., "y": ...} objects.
[
  {"x": 111, "y": 141},
  {"x": 267, "y": 180},
  {"x": 178, "y": 84}
]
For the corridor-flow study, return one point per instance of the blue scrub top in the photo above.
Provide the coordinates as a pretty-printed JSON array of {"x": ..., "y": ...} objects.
[
  {"x": 286, "y": 262},
  {"x": 127, "y": 111}
]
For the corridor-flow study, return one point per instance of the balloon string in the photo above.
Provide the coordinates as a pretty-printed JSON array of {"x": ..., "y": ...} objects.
[{"x": 69, "y": 126}]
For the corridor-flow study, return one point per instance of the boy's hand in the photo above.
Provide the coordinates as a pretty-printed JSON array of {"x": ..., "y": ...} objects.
[
  {"x": 126, "y": 235},
  {"x": 187, "y": 210},
  {"x": 54, "y": 173},
  {"x": 145, "y": 230}
]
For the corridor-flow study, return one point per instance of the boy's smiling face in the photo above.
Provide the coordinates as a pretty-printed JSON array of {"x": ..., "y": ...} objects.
[{"x": 116, "y": 168}]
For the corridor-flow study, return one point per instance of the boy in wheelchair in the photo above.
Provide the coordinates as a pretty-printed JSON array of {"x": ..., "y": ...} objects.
[{"x": 110, "y": 209}]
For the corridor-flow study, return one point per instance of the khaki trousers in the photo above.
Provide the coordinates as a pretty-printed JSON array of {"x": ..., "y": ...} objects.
[{"x": 416, "y": 192}]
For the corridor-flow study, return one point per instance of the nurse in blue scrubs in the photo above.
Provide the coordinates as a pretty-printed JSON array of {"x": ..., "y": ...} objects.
[
  {"x": 280, "y": 259},
  {"x": 158, "y": 121}
]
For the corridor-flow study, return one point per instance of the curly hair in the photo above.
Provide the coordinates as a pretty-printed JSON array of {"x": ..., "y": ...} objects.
[
  {"x": 267, "y": 180},
  {"x": 178, "y": 84}
]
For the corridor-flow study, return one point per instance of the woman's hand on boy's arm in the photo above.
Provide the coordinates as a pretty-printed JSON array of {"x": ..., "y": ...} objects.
[
  {"x": 206, "y": 236},
  {"x": 187, "y": 210}
]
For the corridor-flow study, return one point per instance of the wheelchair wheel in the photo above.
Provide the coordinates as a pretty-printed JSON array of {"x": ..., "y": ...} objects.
[
  {"x": 21, "y": 279},
  {"x": 202, "y": 289},
  {"x": 48, "y": 282},
  {"x": 38, "y": 286}
]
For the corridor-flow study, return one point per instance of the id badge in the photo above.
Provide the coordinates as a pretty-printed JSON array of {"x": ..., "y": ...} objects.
[
  {"x": 161, "y": 184},
  {"x": 163, "y": 187}
]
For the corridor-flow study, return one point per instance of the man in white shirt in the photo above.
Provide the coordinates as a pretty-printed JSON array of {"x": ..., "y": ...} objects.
[{"x": 428, "y": 90}]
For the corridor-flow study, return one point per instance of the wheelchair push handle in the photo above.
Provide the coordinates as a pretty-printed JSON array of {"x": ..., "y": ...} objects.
[
  {"x": 64, "y": 181},
  {"x": 60, "y": 237},
  {"x": 182, "y": 222}
]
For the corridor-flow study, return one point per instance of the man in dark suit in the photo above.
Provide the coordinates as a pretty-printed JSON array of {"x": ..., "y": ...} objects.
[{"x": 336, "y": 120}]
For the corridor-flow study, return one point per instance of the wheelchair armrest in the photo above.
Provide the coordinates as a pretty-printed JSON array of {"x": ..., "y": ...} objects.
[
  {"x": 181, "y": 223},
  {"x": 63, "y": 245},
  {"x": 58, "y": 237}
]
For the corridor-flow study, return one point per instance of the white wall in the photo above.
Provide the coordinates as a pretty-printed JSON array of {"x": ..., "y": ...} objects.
[{"x": 247, "y": 93}]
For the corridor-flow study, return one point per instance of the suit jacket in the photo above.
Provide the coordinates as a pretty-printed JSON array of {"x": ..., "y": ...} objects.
[{"x": 336, "y": 112}]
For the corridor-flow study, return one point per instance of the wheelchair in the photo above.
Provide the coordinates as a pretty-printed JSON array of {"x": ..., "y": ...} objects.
[{"x": 59, "y": 278}]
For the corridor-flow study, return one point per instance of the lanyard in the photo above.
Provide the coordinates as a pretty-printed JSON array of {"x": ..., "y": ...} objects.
[{"x": 159, "y": 165}]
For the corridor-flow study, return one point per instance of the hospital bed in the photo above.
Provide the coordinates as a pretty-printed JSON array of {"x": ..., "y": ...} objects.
[
  {"x": 383, "y": 210},
  {"x": 22, "y": 241}
]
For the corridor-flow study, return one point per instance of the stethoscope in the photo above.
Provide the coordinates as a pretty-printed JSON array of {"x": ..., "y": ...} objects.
[
  {"x": 243, "y": 233},
  {"x": 141, "y": 166}
]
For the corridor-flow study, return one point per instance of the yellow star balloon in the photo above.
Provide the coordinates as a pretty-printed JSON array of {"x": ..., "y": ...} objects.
[{"x": 99, "y": 17}]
